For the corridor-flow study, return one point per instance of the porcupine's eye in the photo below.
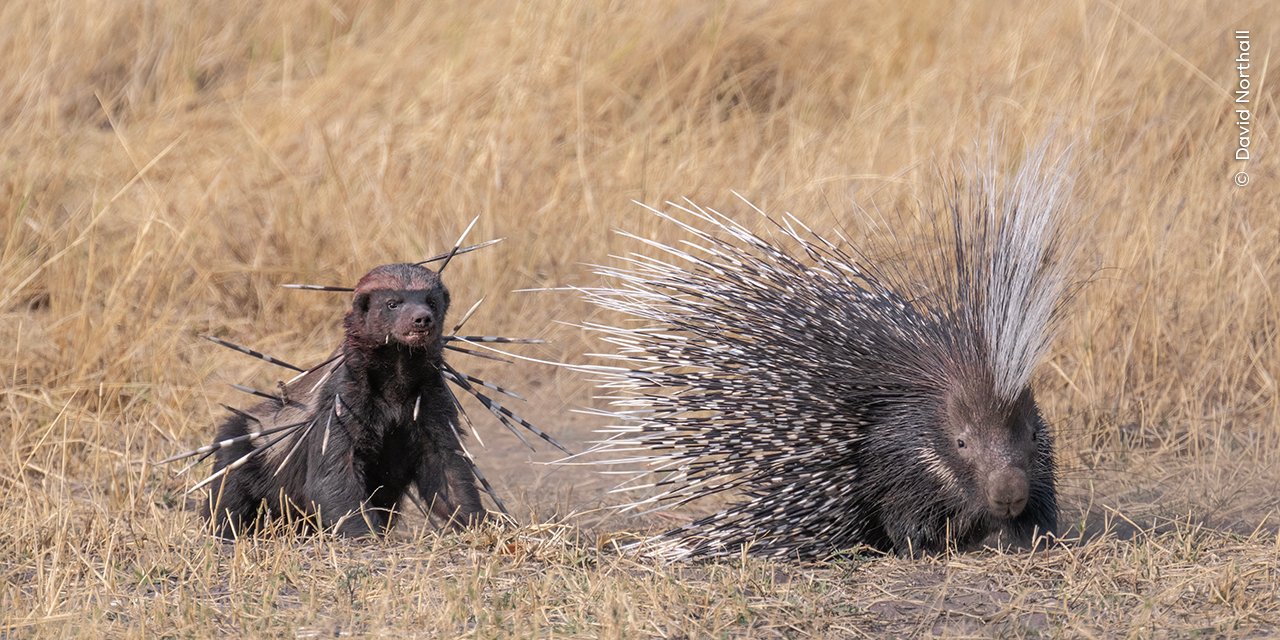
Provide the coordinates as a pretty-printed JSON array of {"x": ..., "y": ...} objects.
[{"x": 959, "y": 443}]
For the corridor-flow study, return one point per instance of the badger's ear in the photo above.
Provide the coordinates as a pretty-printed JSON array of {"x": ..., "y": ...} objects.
[
  {"x": 444, "y": 301},
  {"x": 361, "y": 303}
]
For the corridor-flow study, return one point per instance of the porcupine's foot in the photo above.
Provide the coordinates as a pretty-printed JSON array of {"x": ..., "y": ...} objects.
[{"x": 1036, "y": 527}]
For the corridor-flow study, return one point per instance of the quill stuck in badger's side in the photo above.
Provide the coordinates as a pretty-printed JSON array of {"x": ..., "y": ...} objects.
[{"x": 345, "y": 441}]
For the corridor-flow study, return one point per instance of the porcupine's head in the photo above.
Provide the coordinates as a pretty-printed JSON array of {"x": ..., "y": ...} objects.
[
  {"x": 990, "y": 318},
  {"x": 987, "y": 449},
  {"x": 401, "y": 304}
]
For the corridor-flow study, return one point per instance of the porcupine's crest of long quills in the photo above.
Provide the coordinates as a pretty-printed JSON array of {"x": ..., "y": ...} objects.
[
  {"x": 279, "y": 434},
  {"x": 732, "y": 381}
]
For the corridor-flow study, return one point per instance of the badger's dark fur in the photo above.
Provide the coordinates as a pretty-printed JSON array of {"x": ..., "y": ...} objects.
[
  {"x": 363, "y": 428},
  {"x": 841, "y": 401}
]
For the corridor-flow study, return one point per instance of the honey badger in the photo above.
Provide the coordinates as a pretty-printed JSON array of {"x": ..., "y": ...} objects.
[{"x": 344, "y": 441}]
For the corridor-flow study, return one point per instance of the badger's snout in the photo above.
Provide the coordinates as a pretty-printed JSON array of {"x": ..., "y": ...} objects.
[
  {"x": 1007, "y": 491},
  {"x": 415, "y": 325},
  {"x": 421, "y": 320}
]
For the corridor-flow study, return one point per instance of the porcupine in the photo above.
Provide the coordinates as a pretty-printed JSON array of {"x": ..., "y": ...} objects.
[
  {"x": 347, "y": 438},
  {"x": 839, "y": 404}
]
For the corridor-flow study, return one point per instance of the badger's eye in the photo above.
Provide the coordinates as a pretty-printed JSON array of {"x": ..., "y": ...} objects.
[
  {"x": 393, "y": 304},
  {"x": 959, "y": 443}
]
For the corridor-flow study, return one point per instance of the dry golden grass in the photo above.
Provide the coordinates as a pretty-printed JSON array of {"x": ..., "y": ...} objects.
[{"x": 165, "y": 165}]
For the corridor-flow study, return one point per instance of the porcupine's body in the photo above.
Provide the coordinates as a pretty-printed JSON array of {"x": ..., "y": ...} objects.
[
  {"x": 372, "y": 421},
  {"x": 840, "y": 402}
]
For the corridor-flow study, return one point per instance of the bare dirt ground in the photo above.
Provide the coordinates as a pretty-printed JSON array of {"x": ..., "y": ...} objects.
[{"x": 166, "y": 165}]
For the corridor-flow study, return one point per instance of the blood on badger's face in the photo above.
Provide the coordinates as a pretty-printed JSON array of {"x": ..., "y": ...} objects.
[{"x": 400, "y": 304}]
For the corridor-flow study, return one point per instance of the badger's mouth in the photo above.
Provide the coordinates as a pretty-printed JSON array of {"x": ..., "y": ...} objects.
[{"x": 417, "y": 337}]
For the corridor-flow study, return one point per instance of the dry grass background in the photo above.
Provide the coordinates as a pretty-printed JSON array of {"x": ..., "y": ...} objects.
[{"x": 166, "y": 164}]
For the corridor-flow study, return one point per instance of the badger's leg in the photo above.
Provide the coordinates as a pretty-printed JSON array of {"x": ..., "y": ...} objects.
[
  {"x": 233, "y": 507},
  {"x": 446, "y": 483},
  {"x": 347, "y": 511},
  {"x": 235, "y": 503},
  {"x": 339, "y": 494}
]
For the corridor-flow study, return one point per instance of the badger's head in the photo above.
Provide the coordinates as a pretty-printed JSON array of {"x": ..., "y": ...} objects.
[{"x": 398, "y": 304}]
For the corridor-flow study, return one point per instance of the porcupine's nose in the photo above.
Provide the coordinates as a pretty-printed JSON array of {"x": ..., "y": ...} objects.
[{"x": 1007, "y": 492}]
